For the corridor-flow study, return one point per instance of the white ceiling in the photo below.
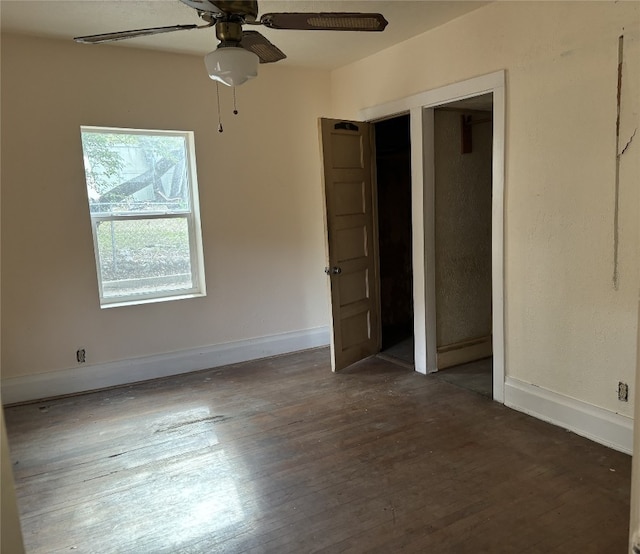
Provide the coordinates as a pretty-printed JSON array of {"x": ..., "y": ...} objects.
[{"x": 321, "y": 49}]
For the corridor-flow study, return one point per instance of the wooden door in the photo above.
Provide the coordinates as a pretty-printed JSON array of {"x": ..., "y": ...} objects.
[{"x": 351, "y": 240}]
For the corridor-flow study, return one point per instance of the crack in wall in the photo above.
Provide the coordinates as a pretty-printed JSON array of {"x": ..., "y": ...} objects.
[{"x": 628, "y": 142}]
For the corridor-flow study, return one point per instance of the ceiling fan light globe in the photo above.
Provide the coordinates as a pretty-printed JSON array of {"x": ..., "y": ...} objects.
[{"x": 231, "y": 66}]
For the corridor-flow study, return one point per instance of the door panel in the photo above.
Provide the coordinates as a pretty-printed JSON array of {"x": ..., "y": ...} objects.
[
  {"x": 350, "y": 198},
  {"x": 351, "y": 252},
  {"x": 354, "y": 287},
  {"x": 351, "y": 244},
  {"x": 347, "y": 149}
]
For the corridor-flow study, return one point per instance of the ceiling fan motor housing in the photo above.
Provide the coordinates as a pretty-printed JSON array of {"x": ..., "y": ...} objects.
[
  {"x": 246, "y": 10},
  {"x": 229, "y": 32}
]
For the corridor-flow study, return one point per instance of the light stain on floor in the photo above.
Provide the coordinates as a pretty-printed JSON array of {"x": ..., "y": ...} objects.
[{"x": 283, "y": 456}]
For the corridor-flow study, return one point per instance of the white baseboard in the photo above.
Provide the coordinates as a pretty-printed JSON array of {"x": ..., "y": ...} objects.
[
  {"x": 600, "y": 425},
  {"x": 98, "y": 376}
]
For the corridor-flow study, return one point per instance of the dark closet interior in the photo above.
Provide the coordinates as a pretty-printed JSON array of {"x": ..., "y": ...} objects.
[{"x": 393, "y": 164}]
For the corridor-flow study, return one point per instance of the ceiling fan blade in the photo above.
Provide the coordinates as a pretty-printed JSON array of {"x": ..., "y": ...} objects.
[
  {"x": 330, "y": 21},
  {"x": 121, "y": 35},
  {"x": 261, "y": 47}
]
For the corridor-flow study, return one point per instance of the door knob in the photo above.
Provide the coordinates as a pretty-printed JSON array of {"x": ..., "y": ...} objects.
[{"x": 335, "y": 270}]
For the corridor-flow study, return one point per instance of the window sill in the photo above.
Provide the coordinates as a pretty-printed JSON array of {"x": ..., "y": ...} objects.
[{"x": 139, "y": 301}]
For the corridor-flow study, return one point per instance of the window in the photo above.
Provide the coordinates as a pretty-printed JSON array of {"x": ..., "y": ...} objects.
[{"x": 143, "y": 202}]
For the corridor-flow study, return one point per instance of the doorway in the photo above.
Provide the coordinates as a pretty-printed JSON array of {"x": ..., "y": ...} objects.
[
  {"x": 421, "y": 107},
  {"x": 462, "y": 204},
  {"x": 463, "y": 144},
  {"x": 393, "y": 186}
]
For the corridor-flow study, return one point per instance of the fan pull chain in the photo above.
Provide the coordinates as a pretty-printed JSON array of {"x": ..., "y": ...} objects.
[
  {"x": 220, "y": 129},
  {"x": 235, "y": 104}
]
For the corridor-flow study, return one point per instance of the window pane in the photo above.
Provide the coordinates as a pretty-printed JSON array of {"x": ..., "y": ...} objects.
[
  {"x": 133, "y": 173},
  {"x": 144, "y": 256}
]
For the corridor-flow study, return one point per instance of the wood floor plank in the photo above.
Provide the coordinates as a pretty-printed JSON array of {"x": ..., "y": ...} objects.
[{"x": 283, "y": 456}]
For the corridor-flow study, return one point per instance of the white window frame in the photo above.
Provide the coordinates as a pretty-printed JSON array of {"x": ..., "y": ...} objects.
[{"x": 192, "y": 217}]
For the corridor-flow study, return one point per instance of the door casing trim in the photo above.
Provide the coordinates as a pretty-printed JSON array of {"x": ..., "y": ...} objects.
[{"x": 420, "y": 108}]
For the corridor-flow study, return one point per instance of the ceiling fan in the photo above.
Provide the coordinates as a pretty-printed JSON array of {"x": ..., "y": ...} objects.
[{"x": 236, "y": 58}]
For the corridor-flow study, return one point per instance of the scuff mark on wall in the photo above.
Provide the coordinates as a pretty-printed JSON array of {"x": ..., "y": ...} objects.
[{"x": 616, "y": 206}]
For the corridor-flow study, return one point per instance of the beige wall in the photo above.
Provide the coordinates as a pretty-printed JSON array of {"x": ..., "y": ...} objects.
[
  {"x": 260, "y": 199},
  {"x": 567, "y": 329}
]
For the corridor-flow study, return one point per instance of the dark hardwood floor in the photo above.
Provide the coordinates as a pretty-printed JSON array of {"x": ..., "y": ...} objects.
[{"x": 282, "y": 456}]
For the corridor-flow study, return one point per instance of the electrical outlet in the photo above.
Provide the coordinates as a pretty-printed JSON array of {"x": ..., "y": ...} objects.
[
  {"x": 623, "y": 392},
  {"x": 81, "y": 356}
]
